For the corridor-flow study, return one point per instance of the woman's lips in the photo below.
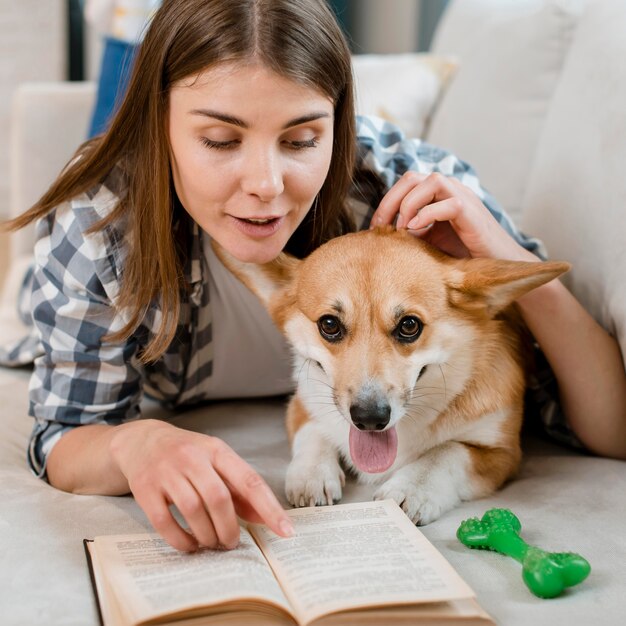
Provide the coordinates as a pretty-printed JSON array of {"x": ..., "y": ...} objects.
[{"x": 257, "y": 227}]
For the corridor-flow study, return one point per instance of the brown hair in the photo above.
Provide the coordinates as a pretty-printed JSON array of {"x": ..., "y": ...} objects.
[{"x": 298, "y": 39}]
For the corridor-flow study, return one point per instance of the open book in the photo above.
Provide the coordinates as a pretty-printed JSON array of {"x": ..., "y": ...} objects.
[{"x": 362, "y": 564}]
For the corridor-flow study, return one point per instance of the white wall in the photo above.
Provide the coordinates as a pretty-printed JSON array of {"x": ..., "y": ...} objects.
[
  {"x": 386, "y": 26},
  {"x": 32, "y": 47}
]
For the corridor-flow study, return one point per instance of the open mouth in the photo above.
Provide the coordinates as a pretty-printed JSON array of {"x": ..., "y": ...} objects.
[
  {"x": 266, "y": 220},
  {"x": 258, "y": 227}
]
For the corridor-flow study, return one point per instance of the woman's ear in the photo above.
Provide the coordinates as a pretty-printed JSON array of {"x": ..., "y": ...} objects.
[
  {"x": 489, "y": 285},
  {"x": 268, "y": 281}
]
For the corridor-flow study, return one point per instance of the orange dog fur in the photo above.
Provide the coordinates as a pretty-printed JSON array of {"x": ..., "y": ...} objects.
[{"x": 409, "y": 368}]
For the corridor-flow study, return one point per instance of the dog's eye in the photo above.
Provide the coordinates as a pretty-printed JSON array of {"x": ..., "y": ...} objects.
[
  {"x": 409, "y": 329},
  {"x": 330, "y": 328}
]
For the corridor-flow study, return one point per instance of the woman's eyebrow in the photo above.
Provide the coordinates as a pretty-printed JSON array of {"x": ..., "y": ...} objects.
[
  {"x": 235, "y": 121},
  {"x": 311, "y": 117}
]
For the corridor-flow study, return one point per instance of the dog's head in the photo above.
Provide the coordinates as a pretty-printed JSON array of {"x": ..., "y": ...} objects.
[{"x": 393, "y": 326}]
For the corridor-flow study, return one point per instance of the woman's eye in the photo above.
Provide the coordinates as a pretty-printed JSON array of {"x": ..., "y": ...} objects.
[
  {"x": 301, "y": 144},
  {"x": 219, "y": 145},
  {"x": 330, "y": 328},
  {"x": 409, "y": 329},
  {"x": 226, "y": 145}
]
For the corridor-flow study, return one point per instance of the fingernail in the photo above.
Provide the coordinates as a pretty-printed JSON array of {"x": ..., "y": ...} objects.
[
  {"x": 286, "y": 528},
  {"x": 413, "y": 224},
  {"x": 400, "y": 222}
]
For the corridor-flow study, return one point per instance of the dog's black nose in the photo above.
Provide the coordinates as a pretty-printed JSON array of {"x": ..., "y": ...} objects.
[{"x": 370, "y": 415}]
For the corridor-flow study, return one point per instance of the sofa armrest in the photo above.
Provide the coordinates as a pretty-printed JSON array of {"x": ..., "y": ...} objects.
[{"x": 49, "y": 120}]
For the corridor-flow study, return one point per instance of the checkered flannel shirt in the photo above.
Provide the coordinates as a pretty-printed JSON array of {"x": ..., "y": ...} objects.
[{"x": 69, "y": 299}]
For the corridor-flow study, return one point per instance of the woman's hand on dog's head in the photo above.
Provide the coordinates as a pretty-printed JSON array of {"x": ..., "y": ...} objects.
[{"x": 447, "y": 214}]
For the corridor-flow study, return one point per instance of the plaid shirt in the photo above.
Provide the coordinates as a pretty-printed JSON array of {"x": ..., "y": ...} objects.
[{"x": 74, "y": 285}]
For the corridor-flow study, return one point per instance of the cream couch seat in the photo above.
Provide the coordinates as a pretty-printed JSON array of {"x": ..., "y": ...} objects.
[{"x": 554, "y": 158}]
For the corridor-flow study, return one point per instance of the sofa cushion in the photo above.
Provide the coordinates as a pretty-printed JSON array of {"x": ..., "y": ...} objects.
[
  {"x": 401, "y": 88},
  {"x": 555, "y": 496},
  {"x": 510, "y": 57},
  {"x": 576, "y": 200}
]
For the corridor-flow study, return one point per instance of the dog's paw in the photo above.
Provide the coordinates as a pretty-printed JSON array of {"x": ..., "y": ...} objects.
[
  {"x": 421, "y": 505},
  {"x": 314, "y": 485}
]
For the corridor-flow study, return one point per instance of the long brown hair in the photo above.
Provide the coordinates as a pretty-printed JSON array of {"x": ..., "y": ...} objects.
[{"x": 298, "y": 39}]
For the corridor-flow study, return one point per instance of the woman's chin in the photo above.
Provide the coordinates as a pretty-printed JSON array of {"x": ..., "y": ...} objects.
[
  {"x": 254, "y": 243},
  {"x": 256, "y": 252}
]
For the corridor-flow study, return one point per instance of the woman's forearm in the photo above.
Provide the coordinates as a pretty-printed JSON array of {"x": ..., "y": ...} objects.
[
  {"x": 82, "y": 461},
  {"x": 587, "y": 363}
]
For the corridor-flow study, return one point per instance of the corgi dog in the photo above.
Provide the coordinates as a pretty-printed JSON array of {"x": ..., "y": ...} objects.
[{"x": 409, "y": 367}]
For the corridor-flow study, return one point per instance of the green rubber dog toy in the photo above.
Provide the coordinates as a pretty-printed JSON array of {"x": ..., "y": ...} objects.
[{"x": 546, "y": 574}]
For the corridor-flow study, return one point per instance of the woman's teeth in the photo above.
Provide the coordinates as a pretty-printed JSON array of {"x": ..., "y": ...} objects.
[{"x": 264, "y": 221}]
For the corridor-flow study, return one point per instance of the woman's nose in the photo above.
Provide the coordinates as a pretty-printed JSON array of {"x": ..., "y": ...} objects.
[{"x": 263, "y": 176}]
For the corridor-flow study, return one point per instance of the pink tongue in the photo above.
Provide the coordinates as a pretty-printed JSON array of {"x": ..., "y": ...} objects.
[{"x": 373, "y": 451}]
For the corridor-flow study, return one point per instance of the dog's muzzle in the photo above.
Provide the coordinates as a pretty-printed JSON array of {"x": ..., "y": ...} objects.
[{"x": 370, "y": 415}]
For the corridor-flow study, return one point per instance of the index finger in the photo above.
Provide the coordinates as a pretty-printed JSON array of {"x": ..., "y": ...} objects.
[
  {"x": 390, "y": 205},
  {"x": 250, "y": 488}
]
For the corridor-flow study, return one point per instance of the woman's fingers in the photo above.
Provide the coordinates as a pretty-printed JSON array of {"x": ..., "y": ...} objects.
[
  {"x": 219, "y": 526},
  {"x": 249, "y": 487},
  {"x": 389, "y": 206},
  {"x": 156, "y": 507},
  {"x": 412, "y": 193},
  {"x": 245, "y": 510},
  {"x": 443, "y": 236},
  {"x": 432, "y": 190},
  {"x": 193, "y": 509},
  {"x": 448, "y": 210},
  {"x": 448, "y": 214},
  {"x": 204, "y": 478}
]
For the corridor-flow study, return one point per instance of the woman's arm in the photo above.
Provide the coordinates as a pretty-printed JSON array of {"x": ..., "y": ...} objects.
[
  {"x": 163, "y": 465},
  {"x": 585, "y": 359},
  {"x": 80, "y": 462},
  {"x": 87, "y": 389},
  {"x": 587, "y": 363}
]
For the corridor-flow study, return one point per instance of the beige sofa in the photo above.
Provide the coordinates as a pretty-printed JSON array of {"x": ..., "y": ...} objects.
[{"x": 537, "y": 105}]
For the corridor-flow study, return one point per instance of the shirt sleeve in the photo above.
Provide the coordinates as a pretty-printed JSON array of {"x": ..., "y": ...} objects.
[
  {"x": 542, "y": 406},
  {"x": 80, "y": 378},
  {"x": 384, "y": 149}
]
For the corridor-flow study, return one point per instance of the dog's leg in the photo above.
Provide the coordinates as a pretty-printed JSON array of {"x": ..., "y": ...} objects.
[
  {"x": 314, "y": 476},
  {"x": 446, "y": 475}
]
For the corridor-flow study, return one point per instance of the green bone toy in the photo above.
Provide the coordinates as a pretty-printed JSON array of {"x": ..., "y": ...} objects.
[{"x": 546, "y": 574}]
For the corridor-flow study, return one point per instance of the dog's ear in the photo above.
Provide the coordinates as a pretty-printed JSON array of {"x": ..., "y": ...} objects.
[
  {"x": 489, "y": 285},
  {"x": 267, "y": 280}
]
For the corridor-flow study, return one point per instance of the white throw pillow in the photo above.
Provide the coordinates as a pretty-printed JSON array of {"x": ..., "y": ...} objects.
[
  {"x": 510, "y": 58},
  {"x": 401, "y": 88},
  {"x": 576, "y": 200}
]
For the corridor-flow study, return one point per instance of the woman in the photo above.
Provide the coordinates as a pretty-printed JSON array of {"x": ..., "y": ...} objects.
[{"x": 237, "y": 125}]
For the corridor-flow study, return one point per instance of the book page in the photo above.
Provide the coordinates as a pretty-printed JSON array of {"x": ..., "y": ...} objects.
[
  {"x": 357, "y": 555},
  {"x": 150, "y": 578}
]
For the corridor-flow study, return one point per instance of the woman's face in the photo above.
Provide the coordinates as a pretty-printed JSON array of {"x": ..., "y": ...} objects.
[{"x": 250, "y": 150}]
